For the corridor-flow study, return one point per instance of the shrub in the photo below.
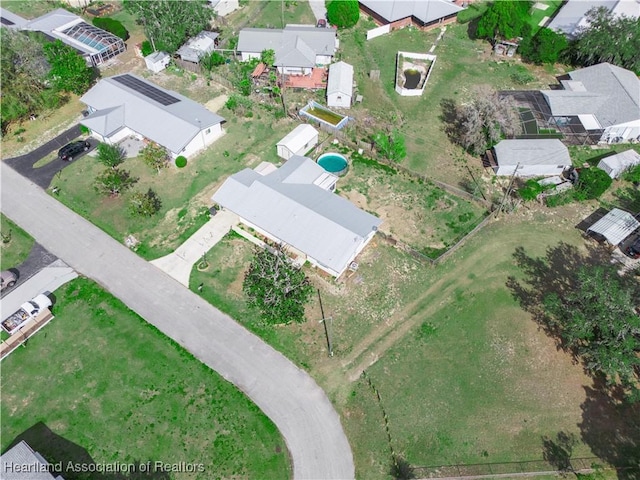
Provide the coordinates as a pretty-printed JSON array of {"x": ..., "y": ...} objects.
[
  {"x": 530, "y": 190},
  {"x": 85, "y": 130},
  {"x": 181, "y": 162},
  {"x": 111, "y": 26},
  {"x": 473, "y": 11},
  {"x": 343, "y": 13},
  {"x": 592, "y": 183},
  {"x": 145, "y": 204},
  {"x": 522, "y": 76},
  {"x": 146, "y": 48}
]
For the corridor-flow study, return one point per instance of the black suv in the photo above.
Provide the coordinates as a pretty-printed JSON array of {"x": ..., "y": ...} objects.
[{"x": 73, "y": 150}]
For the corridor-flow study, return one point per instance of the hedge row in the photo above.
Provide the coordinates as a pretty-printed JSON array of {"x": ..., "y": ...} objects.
[{"x": 111, "y": 26}]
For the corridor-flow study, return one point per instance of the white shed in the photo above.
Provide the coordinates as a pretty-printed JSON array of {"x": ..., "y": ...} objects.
[
  {"x": 340, "y": 85},
  {"x": 197, "y": 47},
  {"x": 298, "y": 142},
  {"x": 617, "y": 164},
  {"x": 615, "y": 226},
  {"x": 157, "y": 61},
  {"x": 531, "y": 158}
]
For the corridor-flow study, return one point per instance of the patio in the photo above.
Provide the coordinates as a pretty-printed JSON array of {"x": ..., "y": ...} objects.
[
  {"x": 132, "y": 146},
  {"x": 317, "y": 80}
]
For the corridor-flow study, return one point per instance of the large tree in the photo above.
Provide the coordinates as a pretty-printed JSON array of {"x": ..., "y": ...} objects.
[
  {"x": 114, "y": 181},
  {"x": 505, "y": 18},
  {"x": 110, "y": 155},
  {"x": 69, "y": 71},
  {"x": 168, "y": 23},
  {"x": 546, "y": 46},
  {"x": 276, "y": 287},
  {"x": 609, "y": 38},
  {"x": 481, "y": 122},
  {"x": 343, "y": 13}
]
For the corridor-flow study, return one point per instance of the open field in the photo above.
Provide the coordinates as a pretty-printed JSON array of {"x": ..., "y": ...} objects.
[
  {"x": 101, "y": 377},
  {"x": 16, "y": 250}
]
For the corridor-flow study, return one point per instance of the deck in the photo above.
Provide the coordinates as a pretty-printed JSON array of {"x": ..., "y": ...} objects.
[{"x": 315, "y": 81}]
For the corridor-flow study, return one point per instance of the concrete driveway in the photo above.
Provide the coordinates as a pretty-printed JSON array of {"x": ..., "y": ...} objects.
[
  {"x": 180, "y": 263},
  {"x": 318, "y": 8},
  {"x": 286, "y": 394}
]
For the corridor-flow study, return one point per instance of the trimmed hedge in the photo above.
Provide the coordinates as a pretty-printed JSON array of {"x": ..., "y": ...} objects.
[
  {"x": 181, "y": 162},
  {"x": 111, "y": 26}
]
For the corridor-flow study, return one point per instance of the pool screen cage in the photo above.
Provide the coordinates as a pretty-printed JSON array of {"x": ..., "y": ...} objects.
[{"x": 106, "y": 44}]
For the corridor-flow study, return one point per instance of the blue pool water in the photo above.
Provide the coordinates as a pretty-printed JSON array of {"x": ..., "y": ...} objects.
[{"x": 333, "y": 163}]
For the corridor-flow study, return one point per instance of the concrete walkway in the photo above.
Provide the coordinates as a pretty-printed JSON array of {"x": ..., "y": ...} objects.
[
  {"x": 286, "y": 394},
  {"x": 180, "y": 263},
  {"x": 318, "y": 8}
]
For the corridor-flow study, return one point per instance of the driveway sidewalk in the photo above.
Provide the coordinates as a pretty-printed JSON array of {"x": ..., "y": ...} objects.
[{"x": 180, "y": 263}]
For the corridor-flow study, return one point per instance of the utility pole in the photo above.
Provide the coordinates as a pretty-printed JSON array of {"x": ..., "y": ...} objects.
[
  {"x": 508, "y": 191},
  {"x": 327, "y": 331},
  {"x": 475, "y": 181}
]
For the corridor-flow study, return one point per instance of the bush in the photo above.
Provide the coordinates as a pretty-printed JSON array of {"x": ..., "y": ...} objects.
[
  {"x": 112, "y": 26},
  {"x": 475, "y": 10},
  {"x": 592, "y": 183},
  {"x": 145, "y": 204},
  {"x": 85, "y": 130},
  {"x": 343, "y": 13},
  {"x": 530, "y": 190},
  {"x": 181, "y": 162},
  {"x": 522, "y": 76},
  {"x": 146, "y": 48}
]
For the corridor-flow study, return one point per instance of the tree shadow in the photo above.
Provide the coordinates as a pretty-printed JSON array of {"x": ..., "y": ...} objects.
[
  {"x": 400, "y": 469},
  {"x": 558, "y": 451},
  {"x": 73, "y": 458},
  {"x": 628, "y": 198},
  {"x": 611, "y": 427},
  {"x": 450, "y": 120}
]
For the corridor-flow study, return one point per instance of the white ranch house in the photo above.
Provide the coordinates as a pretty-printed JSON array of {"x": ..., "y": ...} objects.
[
  {"x": 297, "y": 142},
  {"x": 128, "y": 105}
]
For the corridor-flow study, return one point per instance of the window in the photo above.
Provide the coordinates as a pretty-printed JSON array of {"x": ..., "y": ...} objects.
[{"x": 208, "y": 131}]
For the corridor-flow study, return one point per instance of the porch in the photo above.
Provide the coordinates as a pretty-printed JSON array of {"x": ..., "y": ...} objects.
[{"x": 315, "y": 81}]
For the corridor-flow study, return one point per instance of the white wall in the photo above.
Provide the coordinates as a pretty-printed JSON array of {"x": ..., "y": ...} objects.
[
  {"x": 323, "y": 59},
  {"x": 377, "y": 32},
  {"x": 201, "y": 141},
  {"x": 284, "y": 152},
  {"x": 625, "y": 131},
  {"x": 530, "y": 170},
  {"x": 295, "y": 70},
  {"x": 339, "y": 99},
  {"x": 246, "y": 56}
]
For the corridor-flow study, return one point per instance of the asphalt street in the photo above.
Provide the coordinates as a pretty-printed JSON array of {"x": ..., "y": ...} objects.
[{"x": 286, "y": 394}]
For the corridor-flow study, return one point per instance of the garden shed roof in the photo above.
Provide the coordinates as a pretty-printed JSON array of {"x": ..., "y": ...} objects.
[
  {"x": 340, "y": 79},
  {"x": 615, "y": 226}
]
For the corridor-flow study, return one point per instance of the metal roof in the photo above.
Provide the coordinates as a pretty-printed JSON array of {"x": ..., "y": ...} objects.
[
  {"x": 571, "y": 15},
  {"x": 610, "y": 93},
  {"x": 532, "y": 152},
  {"x": 298, "y": 137},
  {"x": 340, "y": 79},
  {"x": 197, "y": 47},
  {"x": 172, "y": 126},
  {"x": 288, "y": 205},
  {"x": 615, "y": 226},
  {"x": 11, "y": 20},
  {"x": 424, "y": 10},
  {"x": 614, "y": 165}
]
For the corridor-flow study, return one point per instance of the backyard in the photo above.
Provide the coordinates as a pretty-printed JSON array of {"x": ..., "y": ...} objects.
[{"x": 119, "y": 391}]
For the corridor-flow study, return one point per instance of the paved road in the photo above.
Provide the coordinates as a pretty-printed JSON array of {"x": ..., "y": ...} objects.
[
  {"x": 43, "y": 176},
  {"x": 286, "y": 394},
  {"x": 37, "y": 259}
]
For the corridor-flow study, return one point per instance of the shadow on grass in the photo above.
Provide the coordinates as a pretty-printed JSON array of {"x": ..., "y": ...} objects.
[
  {"x": 557, "y": 451},
  {"x": 73, "y": 458},
  {"x": 400, "y": 469},
  {"x": 628, "y": 198}
]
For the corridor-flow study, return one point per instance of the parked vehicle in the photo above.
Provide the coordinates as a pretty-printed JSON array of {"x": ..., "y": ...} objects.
[
  {"x": 73, "y": 150},
  {"x": 27, "y": 311},
  {"x": 322, "y": 23},
  {"x": 7, "y": 279},
  {"x": 633, "y": 250}
]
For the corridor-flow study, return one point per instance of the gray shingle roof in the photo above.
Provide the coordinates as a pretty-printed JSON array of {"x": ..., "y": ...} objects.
[
  {"x": 340, "y": 79},
  {"x": 571, "y": 15},
  {"x": 172, "y": 126},
  {"x": 289, "y": 206},
  {"x": 294, "y": 46},
  {"x": 532, "y": 152},
  {"x": 11, "y": 20},
  {"x": 610, "y": 93},
  {"x": 21, "y": 456},
  {"x": 424, "y": 10}
]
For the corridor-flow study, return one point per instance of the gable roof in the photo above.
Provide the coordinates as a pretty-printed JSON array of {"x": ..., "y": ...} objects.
[
  {"x": 11, "y": 20},
  {"x": 289, "y": 205},
  {"x": 198, "y": 46},
  {"x": 614, "y": 165},
  {"x": 172, "y": 126},
  {"x": 571, "y": 16},
  {"x": 532, "y": 152},
  {"x": 615, "y": 226},
  {"x": 294, "y": 46},
  {"x": 340, "y": 79},
  {"x": 298, "y": 137},
  {"x": 33, "y": 465},
  {"x": 425, "y": 11},
  {"x": 610, "y": 93}
]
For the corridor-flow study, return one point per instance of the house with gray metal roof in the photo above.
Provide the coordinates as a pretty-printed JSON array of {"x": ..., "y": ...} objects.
[
  {"x": 572, "y": 14},
  {"x": 605, "y": 98},
  {"x": 423, "y": 14},
  {"x": 21, "y": 462},
  {"x": 340, "y": 85},
  {"x": 530, "y": 158},
  {"x": 197, "y": 47},
  {"x": 94, "y": 44},
  {"x": 128, "y": 105},
  {"x": 298, "y": 48},
  {"x": 295, "y": 206}
]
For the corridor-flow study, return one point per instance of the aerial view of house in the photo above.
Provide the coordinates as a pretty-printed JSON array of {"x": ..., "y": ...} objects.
[{"x": 279, "y": 240}]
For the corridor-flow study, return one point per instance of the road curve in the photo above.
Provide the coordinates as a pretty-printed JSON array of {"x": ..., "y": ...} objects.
[{"x": 286, "y": 394}]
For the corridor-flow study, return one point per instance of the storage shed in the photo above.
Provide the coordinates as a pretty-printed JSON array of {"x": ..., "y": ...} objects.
[
  {"x": 617, "y": 164},
  {"x": 615, "y": 226},
  {"x": 530, "y": 158},
  {"x": 157, "y": 61},
  {"x": 340, "y": 85},
  {"x": 197, "y": 47},
  {"x": 298, "y": 142}
]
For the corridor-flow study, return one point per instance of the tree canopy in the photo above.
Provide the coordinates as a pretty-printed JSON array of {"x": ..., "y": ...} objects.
[
  {"x": 391, "y": 145},
  {"x": 608, "y": 38},
  {"x": 110, "y": 155},
  {"x": 276, "y": 287},
  {"x": 343, "y": 13},
  {"x": 546, "y": 46},
  {"x": 505, "y": 18},
  {"x": 167, "y": 23},
  {"x": 69, "y": 71}
]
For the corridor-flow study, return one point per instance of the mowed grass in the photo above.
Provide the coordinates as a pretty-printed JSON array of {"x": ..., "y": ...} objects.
[
  {"x": 101, "y": 377},
  {"x": 18, "y": 246},
  {"x": 537, "y": 14}
]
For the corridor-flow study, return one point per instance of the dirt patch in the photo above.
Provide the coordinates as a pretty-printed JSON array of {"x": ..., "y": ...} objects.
[{"x": 217, "y": 103}]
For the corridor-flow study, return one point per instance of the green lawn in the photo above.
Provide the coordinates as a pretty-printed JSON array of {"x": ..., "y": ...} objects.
[
  {"x": 291, "y": 11},
  {"x": 586, "y": 154},
  {"x": 537, "y": 15},
  {"x": 101, "y": 377},
  {"x": 18, "y": 246}
]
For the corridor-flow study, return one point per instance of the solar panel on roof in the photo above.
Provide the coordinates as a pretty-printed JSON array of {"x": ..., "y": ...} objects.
[
  {"x": 5, "y": 21},
  {"x": 147, "y": 90}
]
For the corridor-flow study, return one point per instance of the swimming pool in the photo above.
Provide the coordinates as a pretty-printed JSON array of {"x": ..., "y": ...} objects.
[{"x": 333, "y": 163}]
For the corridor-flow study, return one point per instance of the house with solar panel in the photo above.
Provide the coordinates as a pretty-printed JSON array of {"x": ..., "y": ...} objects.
[
  {"x": 127, "y": 105},
  {"x": 94, "y": 44}
]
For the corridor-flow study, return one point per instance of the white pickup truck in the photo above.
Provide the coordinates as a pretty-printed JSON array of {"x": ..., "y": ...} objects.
[{"x": 27, "y": 311}]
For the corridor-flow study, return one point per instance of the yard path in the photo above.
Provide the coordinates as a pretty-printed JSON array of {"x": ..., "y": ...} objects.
[{"x": 286, "y": 394}]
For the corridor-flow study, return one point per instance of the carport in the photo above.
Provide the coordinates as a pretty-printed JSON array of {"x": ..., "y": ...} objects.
[{"x": 615, "y": 226}]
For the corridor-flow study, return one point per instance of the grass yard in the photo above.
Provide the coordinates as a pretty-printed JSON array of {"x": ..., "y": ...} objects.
[
  {"x": 123, "y": 392},
  {"x": 277, "y": 14},
  {"x": 585, "y": 154},
  {"x": 418, "y": 213},
  {"x": 18, "y": 246},
  {"x": 537, "y": 14}
]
